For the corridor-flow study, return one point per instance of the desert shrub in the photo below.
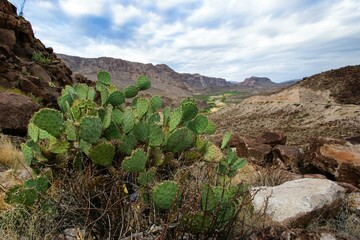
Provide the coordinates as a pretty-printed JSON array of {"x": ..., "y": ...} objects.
[
  {"x": 40, "y": 58},
  {"x": 118, "y": 169}
]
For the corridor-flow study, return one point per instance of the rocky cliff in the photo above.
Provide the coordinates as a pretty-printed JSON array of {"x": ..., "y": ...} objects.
[
  {"x": 257, "y": 82},
  {"x": 199, "y": 82},
  {"x": 28, "y": 70}
]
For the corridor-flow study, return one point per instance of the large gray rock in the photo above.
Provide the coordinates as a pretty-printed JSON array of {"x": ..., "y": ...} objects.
[{"x": 296, "y": 202}]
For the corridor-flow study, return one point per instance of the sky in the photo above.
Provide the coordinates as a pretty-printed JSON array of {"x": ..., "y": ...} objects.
[{"x": 231, "y": 39}]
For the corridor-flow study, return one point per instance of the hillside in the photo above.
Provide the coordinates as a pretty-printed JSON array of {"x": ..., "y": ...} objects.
[
  {"x": 313, "y": 107},
  {"x": 257, "y": 81},
  {"x": 165, "y": 81}
]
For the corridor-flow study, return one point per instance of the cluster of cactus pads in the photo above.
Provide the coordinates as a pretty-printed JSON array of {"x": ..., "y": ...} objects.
[{"x": 135, "y": 137}]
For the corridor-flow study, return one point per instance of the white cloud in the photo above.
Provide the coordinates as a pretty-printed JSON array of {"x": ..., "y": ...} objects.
[
  {"x": 168, "y": 4},
  {"x": 121, "y": 15},
  {"x": 78, "y": 8}
]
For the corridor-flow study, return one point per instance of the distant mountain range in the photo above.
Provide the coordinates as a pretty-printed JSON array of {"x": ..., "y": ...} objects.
[{"x": 165, "y": 81}]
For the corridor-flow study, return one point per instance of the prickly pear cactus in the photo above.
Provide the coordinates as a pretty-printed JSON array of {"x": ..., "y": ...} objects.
[
  {"x": 131, "y": 91},
  {"x": 199, "y": 124},
  {"x": 136, "y": 162},
  {"x": 50, "y": 120},
  {"x": 128, "y": 121},
  {"x": 104, "y": 77},
  {"x": 156, "y": 102},
  {"x": 226, "y": 139},
  {"x": 102, "y": 154},
  {"x": 175, "y": 119},
  {"x": 90, "y": 128},
  {"x": 213, "y": 153},
  {"x": 156, "y": 136},
  {"x": 145, "y": 178},
  {"x": 116, "y": 98},
  {"x": 141, "y": 131},
  {"x": 166, "y": 195},
  {"x": 210, "y": 128},
  {"x": 127, "y": 144},
  {"x": 189, "y": 110},
  {"x": 142, "y": 106},
  {"x": 179, "y": 140},
  {"x": 143, "y": 83}
]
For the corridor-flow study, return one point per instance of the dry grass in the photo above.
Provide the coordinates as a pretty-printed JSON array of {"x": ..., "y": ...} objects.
[
  {"x": 269, "y": 177},
  {"x": 10, "y": 155}
]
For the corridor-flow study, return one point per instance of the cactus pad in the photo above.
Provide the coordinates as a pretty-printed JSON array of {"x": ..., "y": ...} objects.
[
  {"x": 166, "y": 113},
  {"x": 146, "y": 178},
  {"x": 226, "y": 139},
  {"x": 112, "y": 132},
  {"x": 102, "y": 154},
  {"x": 90, "y": 128},
  {"x": 27, "y": 153},
  {"x": 33, "y": 131},
  {"x": 154, "y": 119},
  {"x": 81, "y": 90},
  {"x": 49, "y": 120},
  {"x": 210, "y": 128},
  {"x": 141, "y": 131},
  {"x": 117, "y": 116},
  {"x": 189, "y": 110},
  {"x": 127, "y": 144},
  {"x": 166, "y": 195},
  {"x": 70, "y": 130},
  {"x": 131, "y": 91},
  {"x": 175, "y": 119},
  {"x": 213, "y": 153},
  {"x": 128, "y": 121},
  {"x": 82, "y": 108},
  {"x": 136, "y": 162},
  {"x": 143, "y": 83},
  {"x": 198, "y": 125},
  {"x": 142, "y": 106},
  {"x": 179, "y": 140},
  {"x": 104, "y": 95},
  {"x": 156, "y": 102},
  {"x": 116, "y": 98},
  {"x": 104, "y": 77},
  {"x": 156, "y": 136}
]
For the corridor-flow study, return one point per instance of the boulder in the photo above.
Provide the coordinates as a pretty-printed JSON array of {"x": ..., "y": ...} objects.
[
  {"x": 297, "y": 202},
  {"x": 273, "y": 138},
  {"x": 353, "y": 202},
  {"x": 337, "y": 159},
  {"x": 7, "y": 37},
  {"x": 290, "y": 156},
  {"x": 16, "y": 111}
]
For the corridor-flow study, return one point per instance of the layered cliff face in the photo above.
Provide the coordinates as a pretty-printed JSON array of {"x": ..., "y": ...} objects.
[
  {"x": 200, "y": 83},
  {"x": 26, "y": 64}
]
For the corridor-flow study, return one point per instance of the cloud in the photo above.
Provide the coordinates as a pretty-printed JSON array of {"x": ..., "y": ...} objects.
[{"x": 230, "y": 39}]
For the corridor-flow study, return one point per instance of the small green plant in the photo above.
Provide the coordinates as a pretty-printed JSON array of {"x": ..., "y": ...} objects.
[
  {"x": 140, "y": 143},
  {"x": 40, "y": 58}
]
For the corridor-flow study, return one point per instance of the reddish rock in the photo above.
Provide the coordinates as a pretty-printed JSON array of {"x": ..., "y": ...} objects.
[
  {"x": 290, "y": 156},
  {"x": 7, "y": 37},
  {"x": 335, "y": 158},
  {"x": 254, "y": 152},
  {"x": 273, "y": 138},
  {"x": 16, "y": 111}
]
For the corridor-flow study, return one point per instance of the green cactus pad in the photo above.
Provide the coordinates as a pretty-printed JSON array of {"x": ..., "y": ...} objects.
[
  {"x": 105, "y": 115},
  {"x": 175, "y": 119},
  {"x": 117, "y": 116},
  {"x": 179, "y": 140},
  {"x": 226, "y": 139},
  {"x": 201, "y": 144},
  {"x": 166, "y": 113},
  {"x": 128, "y": 121},
  {"x": 60, "y": 147},
  {"x": 136, "y": 162},
  {"x": 198, "y": 125},
  {"x": 104, "y": 77},
  {"x": 156, "y": 102},
  {"x": 143, "y": 83},
  {"x": 65, "y": 101},
  {"x": 210, "y": 128},
  {"x": 82, "y": 108},
  {"x": 104, "y": 96},
  {"x": 127, "y": 144},
  {"x": 81, "y": 90},
  {"x": 131, "y": 91},
  {"x": 154, "y": 119},
  {"x": 70, "y": 130},
  {"x": 21, "y": 195},
  {"x": 189, "y": 110},
  {"x": 116, "y": 98},
  {"x": 112, "y": 132},
  {"x": 134, "y": 102},
  {"x": 197, "y": 222},
  {"x": 33, "y": 131},
  {"x": 90, "y": 128},
  {"x": 156, "y": 136},
  {"x": 213, "y": 153},
  {"x": 166, "y": 195},
  {"x": 49, "y": 120},
  {"x": 142, "y": 106},
  {"x": 146, "y": 178},
  {"x": 27, "y": 153},
  {"x": 40, "y": 184},
  {"x": 102, "y": 154},
  {"x": 141, "y": 131},
  {"x": 91, "y": 94},
  {"x": 85, "y": 146}
]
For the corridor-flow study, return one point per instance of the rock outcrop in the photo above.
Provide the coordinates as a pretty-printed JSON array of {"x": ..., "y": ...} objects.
[
  {"x": 199, "y": 82},
  {"x": 337, "y": 159},
  {"x": 296, "y": 202},
  {"x": 257, "y": 81}
]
